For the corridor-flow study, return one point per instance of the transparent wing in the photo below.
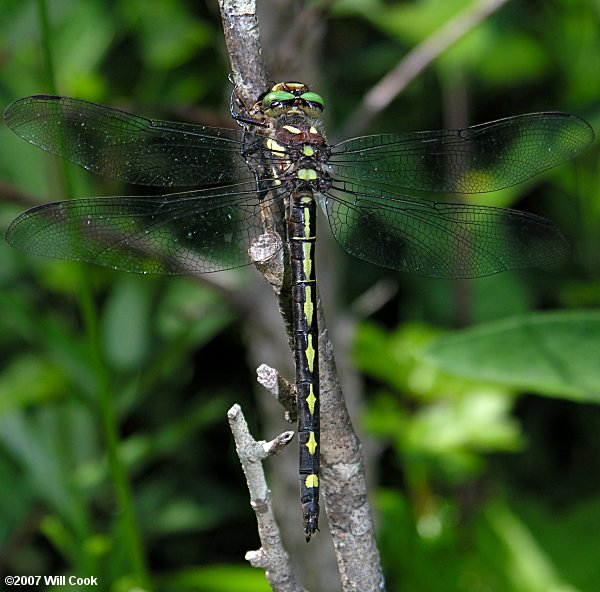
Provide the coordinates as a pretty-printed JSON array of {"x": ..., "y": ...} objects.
[
  {"x": 441, "y": 240},
  {"x": 481, "y": 158},
  {"x": 182, "y": 233},
  {"x": 122, "y": 146}
]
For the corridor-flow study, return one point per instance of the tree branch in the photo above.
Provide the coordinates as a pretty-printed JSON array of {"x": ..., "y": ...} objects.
[
  {"x": 272, "y": 556},
  {"x": 344, "y": 484},
  {"x": 283, "y": 390},
  {"x": 242, "y": 36}
]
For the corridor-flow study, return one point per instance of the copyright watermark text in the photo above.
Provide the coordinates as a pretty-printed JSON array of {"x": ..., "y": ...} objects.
[{"x": 50, "y": 581}]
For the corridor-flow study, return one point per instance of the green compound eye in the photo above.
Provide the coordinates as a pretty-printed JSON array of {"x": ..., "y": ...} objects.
[
  {"x": 278, "y": 95},
  {"x": 312, "y": 97}
]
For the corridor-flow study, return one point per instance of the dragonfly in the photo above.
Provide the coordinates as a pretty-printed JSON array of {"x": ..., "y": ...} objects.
[{"x": 379, "y": 194}]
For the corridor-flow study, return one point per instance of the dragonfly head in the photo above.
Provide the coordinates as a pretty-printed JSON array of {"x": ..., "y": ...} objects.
[{"x": 288, "y": 98}]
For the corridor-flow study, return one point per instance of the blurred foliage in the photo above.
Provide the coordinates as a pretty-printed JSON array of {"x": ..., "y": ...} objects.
[
  {"x": 545, "y": 353},
  {"x": 481, "y": 485}
]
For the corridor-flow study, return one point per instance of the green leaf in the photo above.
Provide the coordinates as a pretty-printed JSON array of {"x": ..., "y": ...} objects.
[
  {"x": 17, "y": 502},
  {"x": 30, "y": 380},
  {"x": 40, "y": 442},
  {"x": 552, "y": 354},
  {"x": 451, "y": 420},
  {"x": 218, "y": 578},
  {"x": 409, "y": 21},
  {"x": 126, "y": 322},
  {"x": 518, "y": 554},
  {"x": 557, "y": 528},
  {"x": 192, "y": 309}
]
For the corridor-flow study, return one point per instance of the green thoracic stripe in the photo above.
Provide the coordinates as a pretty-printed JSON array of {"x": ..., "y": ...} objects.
[{"x": 302, "y": 235}]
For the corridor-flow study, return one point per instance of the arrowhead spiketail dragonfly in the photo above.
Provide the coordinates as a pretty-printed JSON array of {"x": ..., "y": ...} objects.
[{"x": 377, "y": 192}]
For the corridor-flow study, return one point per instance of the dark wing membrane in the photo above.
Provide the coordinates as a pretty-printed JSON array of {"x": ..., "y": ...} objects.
[
  {"x": 182, "y": 233},
  {"x": 476, "y": 159},
  {"x": 441, "y": 240},
  {"x": 128, "y": 147}
]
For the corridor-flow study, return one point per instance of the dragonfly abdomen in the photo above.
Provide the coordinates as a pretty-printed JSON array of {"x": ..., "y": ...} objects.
[{"x": 302, "y": 239}]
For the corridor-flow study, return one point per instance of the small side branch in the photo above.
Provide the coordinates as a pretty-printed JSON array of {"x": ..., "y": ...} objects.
[
  {"x": 272, "y": 556},
  {"x": 283, "y": 390},
  {"x": 267, "y": 252}
]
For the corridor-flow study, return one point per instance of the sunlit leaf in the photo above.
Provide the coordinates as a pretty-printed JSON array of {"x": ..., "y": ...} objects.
[{"x": 551, "y": 354}]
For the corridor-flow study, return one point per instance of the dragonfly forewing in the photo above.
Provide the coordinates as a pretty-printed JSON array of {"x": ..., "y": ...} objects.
[
  {"x": 135, "y": 149},
  {"x": 477, "y": 159}
]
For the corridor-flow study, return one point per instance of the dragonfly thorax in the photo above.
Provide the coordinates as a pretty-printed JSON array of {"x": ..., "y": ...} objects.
[{"x": 298, "y": 152}]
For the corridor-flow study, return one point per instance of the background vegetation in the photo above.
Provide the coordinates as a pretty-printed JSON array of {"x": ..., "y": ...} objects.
[{"x": 483, "y": 443}]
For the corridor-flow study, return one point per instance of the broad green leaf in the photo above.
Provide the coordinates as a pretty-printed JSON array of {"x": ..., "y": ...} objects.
[
  {"x": 448, "y": 435},
  {"x": 218, "y": 578},
  {"x": 454, "y": 420},
  {"x": 554, "y": 354},
  {"x": 127, "y": 323}
]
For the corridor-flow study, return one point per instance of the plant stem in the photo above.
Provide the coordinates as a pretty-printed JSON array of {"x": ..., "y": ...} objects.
[{"x": 128, "y": 525}]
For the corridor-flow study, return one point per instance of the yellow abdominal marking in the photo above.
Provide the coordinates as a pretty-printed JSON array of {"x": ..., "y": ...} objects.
[
  {"x": 307, "y": 200},
  {"x": 311, "y": 400},
  {"x": 312, "y": 443},
  {"x": 313, "y": 130},
  {"x": 276, "y": 148},
  {"x": 307, "y": 150},
  {"x": 306, "y": 261},
  {"x": 309, "y": 309},
  {"x": 307, "y": 174},
  {"x": 292, "y": 129},
  {"x": 312, "y": 481},
  {"x": 310, "y": 353}
]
